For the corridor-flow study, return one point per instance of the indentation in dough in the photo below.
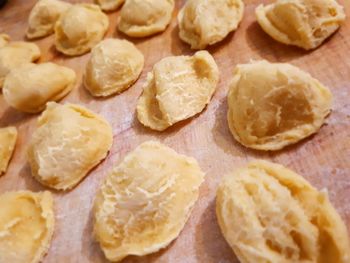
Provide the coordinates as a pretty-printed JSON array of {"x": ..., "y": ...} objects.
[
  {"x": 8, "y": 138},
  {"x": 4, "y": 39},
  {"x": 109, "y": 5}
]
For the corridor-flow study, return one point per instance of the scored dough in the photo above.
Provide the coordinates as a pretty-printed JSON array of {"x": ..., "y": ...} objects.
[
  {"x": 15, "y": 54},
  {"x": 80, "y": 28},
  {"x": 272, "y": 105},
  {"x": 29, "y": 87},
  {"x": 26, "y": 226},
  {"x": 43, "y": 17},
  {"x": 4, "y": 39},
  {"x": 302, "y": 23},
  {"x": 109, "y": 5},
  {"x": 177, "y": 88},
  {"x": 206, "y": 22},
  {"x": 141, "y": 18},
  {"x": 268, "y": 213},
  {"x": 70, "y": 140},
  {"x": 113, "y": 67},
  {"x": 145, "y": 202},
  {"x": 8, "y": 138}
]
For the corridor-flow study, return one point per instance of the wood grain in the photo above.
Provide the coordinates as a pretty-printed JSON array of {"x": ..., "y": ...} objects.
[{"x": 323, "y": 159}]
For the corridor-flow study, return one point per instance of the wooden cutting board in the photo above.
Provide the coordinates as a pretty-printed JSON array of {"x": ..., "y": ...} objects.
[{"x": 323, "y": 159}]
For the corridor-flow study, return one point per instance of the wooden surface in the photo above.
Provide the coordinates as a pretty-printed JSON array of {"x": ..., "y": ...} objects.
[{"x": 323, "y": 159}]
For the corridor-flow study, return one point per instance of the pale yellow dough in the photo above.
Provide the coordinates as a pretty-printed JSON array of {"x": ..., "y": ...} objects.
[
  {"x": 268, "y": 213},
  {"x": 15, "y": 54},
  {"x": 4, "y": 39},
  {"x": 43, "y": 17},
  {"x": 26, "y": 226},
  {"x": 272, "y": 105},
  {"x": 141, "y": 18},
  {"x": 80, "y": 28},
  {"x": 29, "y": 87},
  {"x": 8, "y": 138},
  {"x": 206, "y": 22},
  {"x": 145, "y": 202},
  {"x": 109, "y": 5},
  {"x": 302, "y": 23},
  {"x": 113, "y": 67},
  {"x": 177, "y": 89},
  {"x": 70, "y": 140}
]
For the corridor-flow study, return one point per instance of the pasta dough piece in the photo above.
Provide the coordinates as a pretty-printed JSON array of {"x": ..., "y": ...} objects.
[
  {"x": 8, "y": 138},
  {"x": 177, "y": 89},
  {"x": 113, "y": 67},
  {"x": 15, "y": 54},
  {"x": 267, "y": 213},
  {"x": 4, "y": 39},
  {"x": 80, "y": 28},
  {"x": 27, "y": 90},
  {"x": 43, "y": 17},
  {"x": 69, "y": 141},
  {"x": 109, "y": 5},
  {"x": 302, "y": 23},
  {"x": 145, "y": 202},
  {"x": 272, "y": 105},
  {"x": 141, "y": 18},
  {"x": 26, "y": 226},
  {"x": 206, "y": 22}
]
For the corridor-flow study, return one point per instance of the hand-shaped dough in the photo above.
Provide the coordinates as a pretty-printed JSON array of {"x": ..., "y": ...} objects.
[
  {"x": 109, "y": 5},
  {"x": 8, "y": 138}
]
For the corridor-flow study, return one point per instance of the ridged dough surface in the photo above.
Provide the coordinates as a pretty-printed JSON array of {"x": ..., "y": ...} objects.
[
  {"x": 267, "y": 213},
  {"x": 145, "y": 201},
  {"x": 69, "y": 141},
  {"x": 4, "y": 39},
  {"x": 8, "y": 138},
  {"x": 26, "y": 226},
  {"x": 272, "y": 105},
  {"x": 302, "y": 23},
  {"x": 109, "y": 5}
]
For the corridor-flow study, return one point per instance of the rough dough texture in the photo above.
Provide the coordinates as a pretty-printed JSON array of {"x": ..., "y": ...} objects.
[
  {"x": 43, "y": 17},
  {"x": 28, "y": 87},
  {"x": 302, "y": 23},
  {"x": 70, "y": 140},
  {"x": 26, "y": 226},
  {"x": 80, "y": 28},
  {"x": 272, "y": 105},
  {"x": 4, "y": 39},
  {"x": 15, "y": 54},
  {"x": 206, "y": 22},
  {"x": 145, "y": 202},
  {"x": 113, "y": 67},
  {"x": 109, "y": 5},
  {"x": 267, "y": 213},
  {"x": 177, "y": 89},
  {"x": 141, "y": 18},
  {"x": 8, "y": 138}
]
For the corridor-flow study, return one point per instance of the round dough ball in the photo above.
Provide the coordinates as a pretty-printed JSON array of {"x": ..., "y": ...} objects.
[
  {"x": 206, "y": 22},
  {"x": 16, "y": 54},
  {"x": 302, "y": 23},
  {"x": 70, "y": 140},
  {"x": 268, "y": 213},
  {"x": 177, "y": 89},
  {"x": 109, "y": 5},
  {"x": 272, "y": 105},
  {"x": 4, "y": 39},
  {"x": 113, "y": 67},
  {"x": 43, "y": 17},
  {"x": 80, "y": 28},
  {"x": 145, "y": 201},
  {"x": 141, "y": 18},
  {"x": 29, "y": 87}
]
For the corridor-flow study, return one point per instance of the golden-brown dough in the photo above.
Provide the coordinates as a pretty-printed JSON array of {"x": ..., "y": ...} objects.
[
  {"x": 70, "y": 140},
  {"x": 177, "y": 89},
  {"x": 15, "y": 54},
  {"x": 4, "y": 39},
  {"x": 26, "y": 226},
  {"x": 302, "y": 23},
  {"x": 141, "y": 18},
  {"x": 43, "y": 17},
  {"x": 8, "y": 138},
  {"x": 206, "y": 22},
  {"x": 272, "y": 105},
  {"x": 29, "y": 87},
  {"x": 145, "y": 202},
  {"x": 109, "y": 5},
  {"x": 268, "y": 213},
  {"x": 113, "y": 67},
  {"x": 80, "y": 28}
]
